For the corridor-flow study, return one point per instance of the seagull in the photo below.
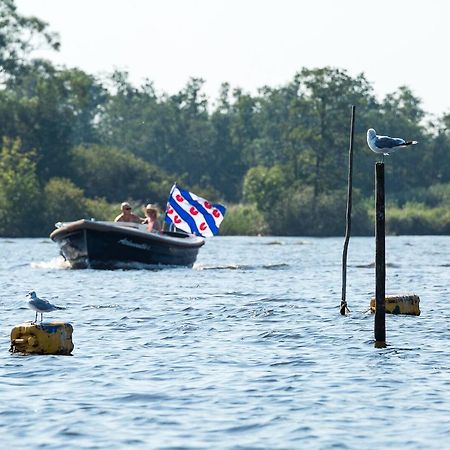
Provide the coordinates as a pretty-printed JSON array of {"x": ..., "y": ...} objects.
[
  {"x": 385, "y": 144},
  {"x": 39, "y": 305}
]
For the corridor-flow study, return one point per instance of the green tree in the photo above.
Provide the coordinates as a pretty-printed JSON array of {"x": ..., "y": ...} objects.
[
  {"x": 226, "y": 166},
  {"x": 51, "y": 111},
  {"x": 64, "y": 201},
  {"x": 19, "y": 36},
  {"x": 243, "y": 219},
  {"x": 20, "y": 199},
  {"x": 129, "y": 117},
  {"x": 322, "y": 115},
  {"x": 173, "y": 132},
  {"x": 435, "y": 153},
  {"x": 274, "y": 119},
  {"x": 265, "y": 187},
  {"x": 402, "y": 115},
  {"x": 116, "y": 175},
  {"x": 244, "y": 128}
]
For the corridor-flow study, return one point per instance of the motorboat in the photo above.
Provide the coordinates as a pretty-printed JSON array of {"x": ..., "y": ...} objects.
[{"x": 110, "y": 245}]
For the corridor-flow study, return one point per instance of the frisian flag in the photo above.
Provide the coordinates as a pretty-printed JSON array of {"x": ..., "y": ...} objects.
[{"x": 193, "y": 214}]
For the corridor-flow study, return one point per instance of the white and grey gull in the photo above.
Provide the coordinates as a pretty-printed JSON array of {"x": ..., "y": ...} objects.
[
  {"x": 40, "y": 305},
  {"x": 385, "y": 145}
]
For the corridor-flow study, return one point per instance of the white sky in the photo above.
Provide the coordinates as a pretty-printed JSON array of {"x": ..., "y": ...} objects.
[{"x": 251, "y": 43}]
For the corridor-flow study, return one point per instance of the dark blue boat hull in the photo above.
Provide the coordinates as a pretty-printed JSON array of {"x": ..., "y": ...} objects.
[{"x": 100, "y": 245}]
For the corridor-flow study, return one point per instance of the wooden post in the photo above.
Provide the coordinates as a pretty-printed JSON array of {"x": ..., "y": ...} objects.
[
  {"x": 380, "y": 263},
  {"x": 348, "y": 224}
]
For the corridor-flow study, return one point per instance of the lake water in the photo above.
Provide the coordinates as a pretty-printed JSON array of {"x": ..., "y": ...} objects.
[{"x": 247, "y": 350}]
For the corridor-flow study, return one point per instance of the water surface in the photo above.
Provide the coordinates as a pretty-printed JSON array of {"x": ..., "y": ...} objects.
[{"x": 247, "y": 350}]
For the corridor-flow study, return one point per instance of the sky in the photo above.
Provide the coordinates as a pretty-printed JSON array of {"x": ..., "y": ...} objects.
[{"x": 253, "y": 43}]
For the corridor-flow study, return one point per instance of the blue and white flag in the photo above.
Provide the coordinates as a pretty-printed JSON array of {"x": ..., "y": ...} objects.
[{"x": 193, "y": 214}]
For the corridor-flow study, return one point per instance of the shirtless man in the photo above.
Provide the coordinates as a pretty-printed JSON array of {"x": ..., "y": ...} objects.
[{"x": 127, "y": 215}]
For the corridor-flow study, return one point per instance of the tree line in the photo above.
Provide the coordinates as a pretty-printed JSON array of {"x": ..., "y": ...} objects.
[{"x": 76, "y": 145}]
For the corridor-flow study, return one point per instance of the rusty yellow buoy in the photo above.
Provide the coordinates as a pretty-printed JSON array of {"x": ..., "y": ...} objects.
[
  {"x": 50, "y": 338},
  {"x": 399, "y": 304}
]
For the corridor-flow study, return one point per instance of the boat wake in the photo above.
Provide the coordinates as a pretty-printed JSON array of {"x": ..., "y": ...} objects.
[{"x": 56, "y": 263}]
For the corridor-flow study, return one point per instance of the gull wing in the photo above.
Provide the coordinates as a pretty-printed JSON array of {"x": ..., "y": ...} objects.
[
  {"x": 388, "y": 142},
  {"x": 43, "y": 304}
]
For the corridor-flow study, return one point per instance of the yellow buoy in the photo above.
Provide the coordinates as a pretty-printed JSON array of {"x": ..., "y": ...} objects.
[
  {"x": 399, "y": 304},
  {"x": 51, "y": 338}
]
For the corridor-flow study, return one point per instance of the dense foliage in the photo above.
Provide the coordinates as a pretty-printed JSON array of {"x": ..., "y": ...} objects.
[{"x": 75, "y": 145}]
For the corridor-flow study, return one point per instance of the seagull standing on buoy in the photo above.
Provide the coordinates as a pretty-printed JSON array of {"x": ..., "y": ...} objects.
[
  {"x": 385, "y": 145},
  {"x": 39, "y": 305}
]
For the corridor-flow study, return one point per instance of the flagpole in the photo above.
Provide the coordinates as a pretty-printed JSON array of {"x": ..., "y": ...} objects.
[{"x": 171, "y": 225}]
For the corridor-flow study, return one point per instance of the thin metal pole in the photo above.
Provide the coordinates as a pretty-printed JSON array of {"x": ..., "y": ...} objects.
[
  {"x": 348, "y": 224},
  {"x": 380, "y": 262}
]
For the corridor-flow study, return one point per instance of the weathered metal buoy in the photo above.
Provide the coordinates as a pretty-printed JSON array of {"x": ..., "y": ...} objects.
[
  {"x": 407, "y": 304},
  {"x": 50, "y": 338}
]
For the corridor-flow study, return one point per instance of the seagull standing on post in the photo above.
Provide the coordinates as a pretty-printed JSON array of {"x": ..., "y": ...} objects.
[
  {"x": 385, "y": 145},
  {"x": 39, "y": 305}
]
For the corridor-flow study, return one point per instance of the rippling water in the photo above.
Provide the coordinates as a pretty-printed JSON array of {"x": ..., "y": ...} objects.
[{"x": 247, "y": 350}]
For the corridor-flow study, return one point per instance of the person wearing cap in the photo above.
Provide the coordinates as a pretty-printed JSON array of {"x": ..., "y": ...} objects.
[
  {"x": 126, "y": 215},
  {"x": 151, "y": 218}
]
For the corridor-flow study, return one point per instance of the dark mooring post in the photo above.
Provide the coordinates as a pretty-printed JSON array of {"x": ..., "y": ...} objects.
[
  {"x": 348, "y": 224},
  {"x": 380, "y": 264}
]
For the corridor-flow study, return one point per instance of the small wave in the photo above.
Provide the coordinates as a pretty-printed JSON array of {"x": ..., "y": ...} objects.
[
  {"x": 262, "y": 313},
  {"x": 276, "y": 266},
  {"x": 239, "y": 294},
  {"x": 220, "y": 267},
  {"x": 141, "y": 398},
  {"x": 55, "y": 263},
  {"x": 281, "y": 243},
  {"x": 18, "y": 265},
  {"x": 113, "y": 306},
  {"x": 372, "y": 265},
  {"x": 69, "y": 432},
  {"x": 244, "y": 428},
  {"x": 294, "y": 362},
  {"x": 240, "y": 267}
]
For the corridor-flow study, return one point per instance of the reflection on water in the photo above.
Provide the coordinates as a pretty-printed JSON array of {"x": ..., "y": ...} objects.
[{"x": 247, "y": 350}]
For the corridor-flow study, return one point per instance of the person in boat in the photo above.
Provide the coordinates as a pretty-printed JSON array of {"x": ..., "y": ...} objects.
[
  {"x": 151, "y": 218},
  {"x": 127, "y": 215}
]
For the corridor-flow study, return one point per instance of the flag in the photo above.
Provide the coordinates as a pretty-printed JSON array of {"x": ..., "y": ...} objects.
[{"x": 193, "y": 214}]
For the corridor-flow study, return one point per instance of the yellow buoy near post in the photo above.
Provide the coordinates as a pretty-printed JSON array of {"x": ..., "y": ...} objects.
[
  {"x": 52, "y": 338},
  {"x": 407, "y": 304}
]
